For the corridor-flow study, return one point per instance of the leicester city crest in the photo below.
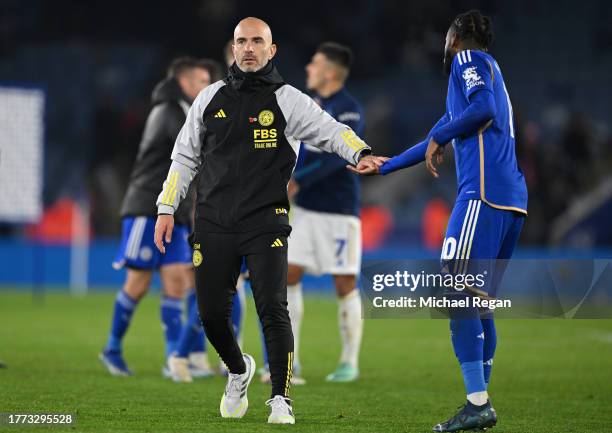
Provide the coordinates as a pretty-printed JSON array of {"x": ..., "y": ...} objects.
[{"x": 265, "y": 118}]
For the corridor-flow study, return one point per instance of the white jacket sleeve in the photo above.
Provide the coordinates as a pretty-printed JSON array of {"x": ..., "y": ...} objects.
[
  {"x": 186, "y": 155},
  {"x": 307, "y": 122}
]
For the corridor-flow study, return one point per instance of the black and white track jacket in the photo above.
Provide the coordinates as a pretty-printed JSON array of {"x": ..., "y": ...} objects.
[{"x": 242, "y": 134}]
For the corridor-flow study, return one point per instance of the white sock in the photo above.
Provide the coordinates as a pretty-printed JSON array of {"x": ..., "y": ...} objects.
[
  {"x": 295, "y": 305},
  {"x": 351, "y": 327},
  {"x": 478, "y": 398}
]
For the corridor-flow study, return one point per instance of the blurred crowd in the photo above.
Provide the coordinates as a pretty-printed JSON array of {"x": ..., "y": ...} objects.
[{"x": 98, "y": 64}]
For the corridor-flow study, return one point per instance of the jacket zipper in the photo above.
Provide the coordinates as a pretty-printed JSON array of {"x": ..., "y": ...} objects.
[{"x": 237, "y": 175}]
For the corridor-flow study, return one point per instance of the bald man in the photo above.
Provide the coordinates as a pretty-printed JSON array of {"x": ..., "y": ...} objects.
[{"x": 243, "y": 134}]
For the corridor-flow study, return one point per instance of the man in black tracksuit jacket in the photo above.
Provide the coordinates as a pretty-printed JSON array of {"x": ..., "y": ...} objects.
[{"x": 243, "y": 134}]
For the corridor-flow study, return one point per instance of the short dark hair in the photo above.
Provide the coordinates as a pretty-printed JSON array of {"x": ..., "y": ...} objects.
[
  {"x": 182, "y": 64},
  {"x": 475, "y": 26},
  {"x": 337, "y": 53}
]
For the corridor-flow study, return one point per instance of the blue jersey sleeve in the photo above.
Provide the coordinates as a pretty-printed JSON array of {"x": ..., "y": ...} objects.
[
  {"x": 473, "y": 71},
  {"x": 407, "y": 158},
  {"x": 480, "y": 110},
  {"x": 439, "y": 124},
  {"x": 413, "y": 155},
  {"x": 472, "y": 76}
]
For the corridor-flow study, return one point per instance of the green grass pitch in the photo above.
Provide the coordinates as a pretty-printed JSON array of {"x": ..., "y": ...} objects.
[{"x": 549, "y": 375}]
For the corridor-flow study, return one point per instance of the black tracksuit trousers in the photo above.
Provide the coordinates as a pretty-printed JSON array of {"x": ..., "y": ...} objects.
[{"x": 217, "y": 260}]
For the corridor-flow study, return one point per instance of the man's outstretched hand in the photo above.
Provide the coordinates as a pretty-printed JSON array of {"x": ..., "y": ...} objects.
[
  {"x": 434, "y": 155},
  {"x": 163, "y": 231},
  {"x": 368, "y": 165}
]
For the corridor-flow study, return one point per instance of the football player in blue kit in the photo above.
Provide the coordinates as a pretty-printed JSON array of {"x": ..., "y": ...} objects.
[{"x": 491, "y": 202}]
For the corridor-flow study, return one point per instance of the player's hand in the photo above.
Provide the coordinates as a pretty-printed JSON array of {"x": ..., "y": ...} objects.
[
  {"x": 163, "y": 231},
  {"x": 369, "y": 165},
  {"x": 434, "y": 155},
  {"x": 292, "y": 189}
]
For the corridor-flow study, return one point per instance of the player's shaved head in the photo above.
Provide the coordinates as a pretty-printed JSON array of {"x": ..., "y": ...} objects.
[
  {"x": 250, "y": 25},
  {"x": 253, "y": 46}
]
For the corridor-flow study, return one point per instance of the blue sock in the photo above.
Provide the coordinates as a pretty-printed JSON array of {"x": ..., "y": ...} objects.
[
  {"x": 468, "y": 338},
  {"x": 122, "y": 316},
  {"x": 490, "y": 343},
  {"x": 198, "y": 340},
  {"x": 191, "y": 331},
  {"x": 171, "y": 311},
  {"x": 473, "y": 377}
]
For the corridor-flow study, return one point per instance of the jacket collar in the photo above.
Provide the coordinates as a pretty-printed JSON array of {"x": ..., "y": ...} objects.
[{"x": 240, "y": 80}]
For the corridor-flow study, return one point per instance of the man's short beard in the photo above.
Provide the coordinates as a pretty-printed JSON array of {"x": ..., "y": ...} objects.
[
  {"x": 255, "y": 68},
  {"x": 251, "y": 69}
]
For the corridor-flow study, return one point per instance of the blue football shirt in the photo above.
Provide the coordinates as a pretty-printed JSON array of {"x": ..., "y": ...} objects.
[{"x": 486, "y": 163}]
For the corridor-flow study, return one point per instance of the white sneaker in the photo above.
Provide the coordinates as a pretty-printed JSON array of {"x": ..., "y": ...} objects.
[
  {"x": 199, "y": 366},
  {"x": 281, "y": 411},
  {"x": 179, "y": 369},
  {"x": 234, "y": 402}
]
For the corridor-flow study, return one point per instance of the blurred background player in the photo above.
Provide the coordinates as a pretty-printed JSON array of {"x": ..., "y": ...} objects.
[
  {"x": 491, "y": 203},
  {"x": 171, "y": 100},
  {"x": 191, "y": 347},
  {"x": 326, "y": 236}
]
